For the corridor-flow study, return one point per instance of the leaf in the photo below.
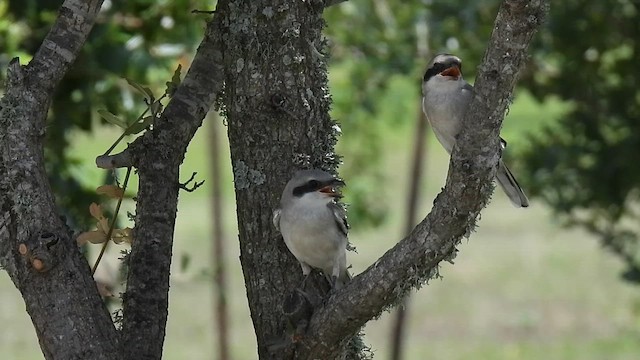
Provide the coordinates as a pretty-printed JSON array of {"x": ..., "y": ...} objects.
[
  {"x": 94, "y": 237},
  {"x": 122, "y": 235},
  {"x": 111, "y": 118},
  {"x": 172, "y": 85},
  {"x": 103, "y": 225},
  {"x": 145, "y": 91},
  {"x": 96, "y": 211},
  {"x": 111, "y": 191},
  {"x": 139, "y": 126}
]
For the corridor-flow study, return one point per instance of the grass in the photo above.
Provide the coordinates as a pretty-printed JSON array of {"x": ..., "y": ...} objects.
[{"x": 521, "y": 287}]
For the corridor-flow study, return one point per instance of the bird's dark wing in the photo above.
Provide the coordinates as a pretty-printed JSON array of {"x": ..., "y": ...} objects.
[{"x": 340, "y": 216}]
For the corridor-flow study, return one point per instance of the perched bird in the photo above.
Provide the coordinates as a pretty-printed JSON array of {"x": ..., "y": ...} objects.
[
  {"x": 446, "y": 97},
  {"x": 313, "y": 225}
]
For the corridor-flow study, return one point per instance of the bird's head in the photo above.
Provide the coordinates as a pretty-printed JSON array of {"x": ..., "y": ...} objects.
[
  {"x": 444, "y": 69},
  {"x": 313, "y": 185}
]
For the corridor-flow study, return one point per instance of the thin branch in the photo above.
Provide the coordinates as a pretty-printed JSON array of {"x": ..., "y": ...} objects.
[
  {"x": 218, "y": 258},
  {"x": 157, "y": 154},
  {"x": 62, "y": 44},
  {"x": 82, "y": 328},
  {"x": 415, "y": 259},
  {"x": 113, "y": 222},
  {"x": 207, "y": 12},
  {"x": 196, "y": 184},
  {"x": 120, "y": 160},
  {"x": 415, "y": 182},
  {"x": 328, "y": 3}
]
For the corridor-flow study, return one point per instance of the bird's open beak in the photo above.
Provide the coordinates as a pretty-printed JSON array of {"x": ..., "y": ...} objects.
[
  {"x": 453, "y": 72},
  {"x": 332, "y": 189}
]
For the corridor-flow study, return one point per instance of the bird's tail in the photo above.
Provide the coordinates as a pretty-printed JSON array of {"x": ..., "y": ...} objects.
[{"x": 510, "y": 185}]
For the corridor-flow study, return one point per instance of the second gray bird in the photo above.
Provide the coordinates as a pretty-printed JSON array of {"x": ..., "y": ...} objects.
[
  {"x": 446, "y": 98},
  {"x": 313, "y": 226}
]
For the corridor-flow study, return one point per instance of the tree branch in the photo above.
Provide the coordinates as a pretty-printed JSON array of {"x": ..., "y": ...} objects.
[
  {"x": 36, "y": 248},
  {"x": 415, "y": 259},
  {"x": 62, "y": 44},
  {"x": 116, "y": 161},
  {"x": 158, "y": 155}
]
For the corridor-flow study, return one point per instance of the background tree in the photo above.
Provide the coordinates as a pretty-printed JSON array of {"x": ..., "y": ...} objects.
[
  {"x": 137, "y": 40},
  {"x": 380, "y": 65},
  {"x": 584, "y": 166},
  {"x": 42, "y": 259}
]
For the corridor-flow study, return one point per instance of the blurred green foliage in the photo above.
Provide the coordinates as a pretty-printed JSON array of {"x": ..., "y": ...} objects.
[
  {"x": 374, "y": 46},
  {"x": 586, "y": 55},
  {"x": 138, "y": 39},
  {"x": 585, "y": 165}
]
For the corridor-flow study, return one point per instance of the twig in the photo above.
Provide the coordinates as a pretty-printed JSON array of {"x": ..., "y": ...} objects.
[
  {"x": 113, "y": 222},
  {"x": 196, "y": 184},
  {"x": 218, "y": 254},
  {"x": 125, "y": 132},
  {"x": 328, "y": 3},
  {"x": 209, "y": 12},
  {"x": 413, "y": 195}
]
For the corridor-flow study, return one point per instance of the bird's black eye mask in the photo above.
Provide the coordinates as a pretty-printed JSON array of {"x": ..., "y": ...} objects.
[
  {"x": 437, "y": 68},
  {"x": 314, "y": 185}
]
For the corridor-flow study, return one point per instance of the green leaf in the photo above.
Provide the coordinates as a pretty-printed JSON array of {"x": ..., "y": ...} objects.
[
  {"x": 172, "y": 85},
  {"x": 112, "y": 119},
  {"x": 139, "y": 126},
  {"x": 145, "y": 91}
]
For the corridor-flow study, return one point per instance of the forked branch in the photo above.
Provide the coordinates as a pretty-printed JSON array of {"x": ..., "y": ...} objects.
[{"x": 415, "y": 259}]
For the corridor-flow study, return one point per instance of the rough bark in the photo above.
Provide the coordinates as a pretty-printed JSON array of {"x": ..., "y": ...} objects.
[
  {"x": 157, "y": 155},
  {"x": 36, "y": 249},
  {"x": 414, "y": 260},
  {"x": 277, "y": 107},
  {"x": 276, "y": 101}
]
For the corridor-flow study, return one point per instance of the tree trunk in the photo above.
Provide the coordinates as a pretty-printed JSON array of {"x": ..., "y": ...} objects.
[
  {"x": 36, "y": 249},
  {"x": 276, "y": 102},
  {"x": 268, "y": 55}
]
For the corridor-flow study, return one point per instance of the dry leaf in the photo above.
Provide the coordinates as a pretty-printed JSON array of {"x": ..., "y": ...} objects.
[
  {"x": 94, "y": 237},
  {"x": 103, "y": 225},
  {"x": 122, "y": 235},
  {"x": 96, "y": 211},
  {"x": 111, "y": 191}
]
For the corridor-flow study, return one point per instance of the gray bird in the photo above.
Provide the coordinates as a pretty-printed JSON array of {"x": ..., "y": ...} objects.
[
  {"x": 313, "y": 225},
  {"x": 446, "y": 97}
]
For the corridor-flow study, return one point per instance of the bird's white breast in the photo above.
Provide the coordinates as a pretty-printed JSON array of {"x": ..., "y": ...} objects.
[
  {"x": 444, "y": 103},
  {"x": 311, "y": 234}
]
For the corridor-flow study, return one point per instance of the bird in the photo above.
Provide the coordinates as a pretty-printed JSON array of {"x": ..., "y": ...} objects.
[
  {"x": 314, "y": 227},
  {"x": 446, "y": 98}
]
